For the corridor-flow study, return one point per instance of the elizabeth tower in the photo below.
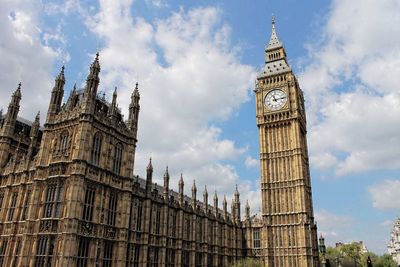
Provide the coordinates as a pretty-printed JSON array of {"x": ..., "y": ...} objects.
[{"x": 289, "y": 236}]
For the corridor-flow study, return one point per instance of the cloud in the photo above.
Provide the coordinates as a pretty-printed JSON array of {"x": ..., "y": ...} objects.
[
  {"x": 385, "y": 196},
  {"x": 335, "y": 228},
  {"x": 189, "y": 76},
  {"x": 350, "y": 84},
  {"x": 25, "y": 58},
  {"x": 250, "y": 162}
]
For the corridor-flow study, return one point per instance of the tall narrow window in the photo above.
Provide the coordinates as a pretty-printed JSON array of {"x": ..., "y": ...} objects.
[
  {"x": 53, "y": 202},
  {"x": 12, "y": 206},
  {"x": 89, "y": 204},
  {"x": 112, "y": 209},
  {"x": 64, "y": 139},
  {"x": 137, "y": 256},
  {"x": 107, "y": 256},
  {"x": 1, "y": 202},
  {"x": 185, "y": 258},
  {"x": 157, "y": 220},
  {"x": 173, "y": 224},
  {"x": 117, "y": 158},
  {"x": 96, "y": 149},
  {"x": 139, "y": 215},
  {"x": 26, "y": 205},
  {"x": 17, "y": 252},
  {"x": 45, "y": 250},
  {"x": 256, "y": 238},
  {"x": 156, "y": 256},
  {"x": 3, "y": 248},
  {"x": 83, "y": 251}
]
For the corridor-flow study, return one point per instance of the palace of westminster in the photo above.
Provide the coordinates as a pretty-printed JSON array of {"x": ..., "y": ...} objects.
[{"x": 69, "y": 195}]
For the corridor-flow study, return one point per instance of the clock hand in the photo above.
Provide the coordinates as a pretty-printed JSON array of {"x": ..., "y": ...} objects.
[
  {"x": 281, "y": 98},
  {"x": 274, "y": 98}
]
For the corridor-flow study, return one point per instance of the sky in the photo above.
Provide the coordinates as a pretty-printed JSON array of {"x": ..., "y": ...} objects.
[{"x": 196, "y": 63}]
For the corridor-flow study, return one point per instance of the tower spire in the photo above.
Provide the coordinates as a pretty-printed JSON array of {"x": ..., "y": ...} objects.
[
  {"x": 274, "y": 41},
  {"x": 92, "y": 83},
  {"x": 166, "y": 184},
  {"x": 57, "y": 95},
  {"x": 134, "y": 108},
  {"x": 149, "y": 176},
  {"x": 12, "y": 112},
  {"x": 181, "y": 185}
]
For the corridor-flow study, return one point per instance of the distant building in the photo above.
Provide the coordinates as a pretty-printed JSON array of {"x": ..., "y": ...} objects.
[
  {"x": 394, "y": 245},
  {"x": 360, "y": 243}
]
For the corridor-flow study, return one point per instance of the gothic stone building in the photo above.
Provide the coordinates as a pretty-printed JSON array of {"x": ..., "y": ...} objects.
[{"x": 69, "y": 197}]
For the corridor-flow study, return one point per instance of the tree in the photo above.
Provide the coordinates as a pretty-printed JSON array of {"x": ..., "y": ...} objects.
[{"x": 350, "y": 255}]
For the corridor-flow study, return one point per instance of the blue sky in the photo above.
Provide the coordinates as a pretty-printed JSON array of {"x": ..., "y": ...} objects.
[{"x": 196, "y": 61}]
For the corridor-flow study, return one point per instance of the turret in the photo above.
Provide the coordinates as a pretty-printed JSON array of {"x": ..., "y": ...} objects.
[
  {"x": 149, "y": 176},
  {"x": 92, "y": 83},
  {"x": 194, "y": 192},
  {"x": 181, "y": 185},
  {"x": 247, "y": 211},
  {"x": 34, "y": 134},
  {"x": 113, "y": 109},
  {"x": 12, "y": 113},
  {"x": 225, "y": 207},
  {"x": 205, "y": 199},
  {"x": 93, "y": 80},
  {"x": 166, "y": 184},
  {"x": 236, "y": 204},
  {"x": 134, "y": 108},
  {"x": 215, "y": 203},
  {"x": 57, "y": 95}
]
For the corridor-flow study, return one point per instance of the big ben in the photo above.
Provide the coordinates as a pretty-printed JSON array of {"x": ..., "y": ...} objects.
[{"x": 289, "y": 235}]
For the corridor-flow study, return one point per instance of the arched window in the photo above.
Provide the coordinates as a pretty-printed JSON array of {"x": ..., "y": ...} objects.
[
  {"x": 117, "y": 158},
  {"x": 96, "y": 149},
  {"x": 64, "y": 139}
]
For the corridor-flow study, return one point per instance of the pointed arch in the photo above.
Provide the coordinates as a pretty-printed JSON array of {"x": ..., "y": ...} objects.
[
  {"x": 96, "y": 149},
  {"x": 117, "y": 158}
]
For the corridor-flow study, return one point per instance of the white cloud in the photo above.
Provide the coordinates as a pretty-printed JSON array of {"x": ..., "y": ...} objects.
[
  {"x": 335, "y": 228},
  {"x": 351, "y": 89},
  {"x": 189, "y": 75},
  {"x": 385, "y": 195},
  {"x": 250, "y": 162},
  {"x": 24, "y": 57}
]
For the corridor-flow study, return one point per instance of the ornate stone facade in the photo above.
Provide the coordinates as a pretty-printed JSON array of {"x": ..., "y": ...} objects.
[
  {"x": 289, "y": 234},
  {"x": 69, "y": 197},
  {"x": 394, "y": 245}
]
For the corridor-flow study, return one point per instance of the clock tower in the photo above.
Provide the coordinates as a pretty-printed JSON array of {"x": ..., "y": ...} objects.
[{"x": 289, "y": 235}]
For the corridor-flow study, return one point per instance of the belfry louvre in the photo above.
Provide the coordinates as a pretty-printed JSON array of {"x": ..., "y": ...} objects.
[{"x": 69, "y": 196}]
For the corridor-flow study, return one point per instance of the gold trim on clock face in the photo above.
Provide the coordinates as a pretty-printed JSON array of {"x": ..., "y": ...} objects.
[{"x": 275, "y": 99}]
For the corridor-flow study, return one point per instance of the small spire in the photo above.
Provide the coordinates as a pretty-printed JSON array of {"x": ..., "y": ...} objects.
[
  {"x": 37, "y": 118},
  {"x": 95, "y": 66},
  {"x": 181, "y": 180},
  {"x": 17, "y": 92},
  {"x": 205, "y": 191},
  {"x": 237, "y": 193},
  {"x": 149, "y": 166},
  {"x": 215, "y": 195},
  {"x": 166, "y": 174},
  {"x": 194, "y": 188}
]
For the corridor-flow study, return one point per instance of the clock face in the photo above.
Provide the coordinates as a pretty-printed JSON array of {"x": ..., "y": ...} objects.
[{"x": 275, "y": 99}]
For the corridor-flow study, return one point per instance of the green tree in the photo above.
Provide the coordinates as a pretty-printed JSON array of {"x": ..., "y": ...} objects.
[{"x": 350, "y": 255}]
